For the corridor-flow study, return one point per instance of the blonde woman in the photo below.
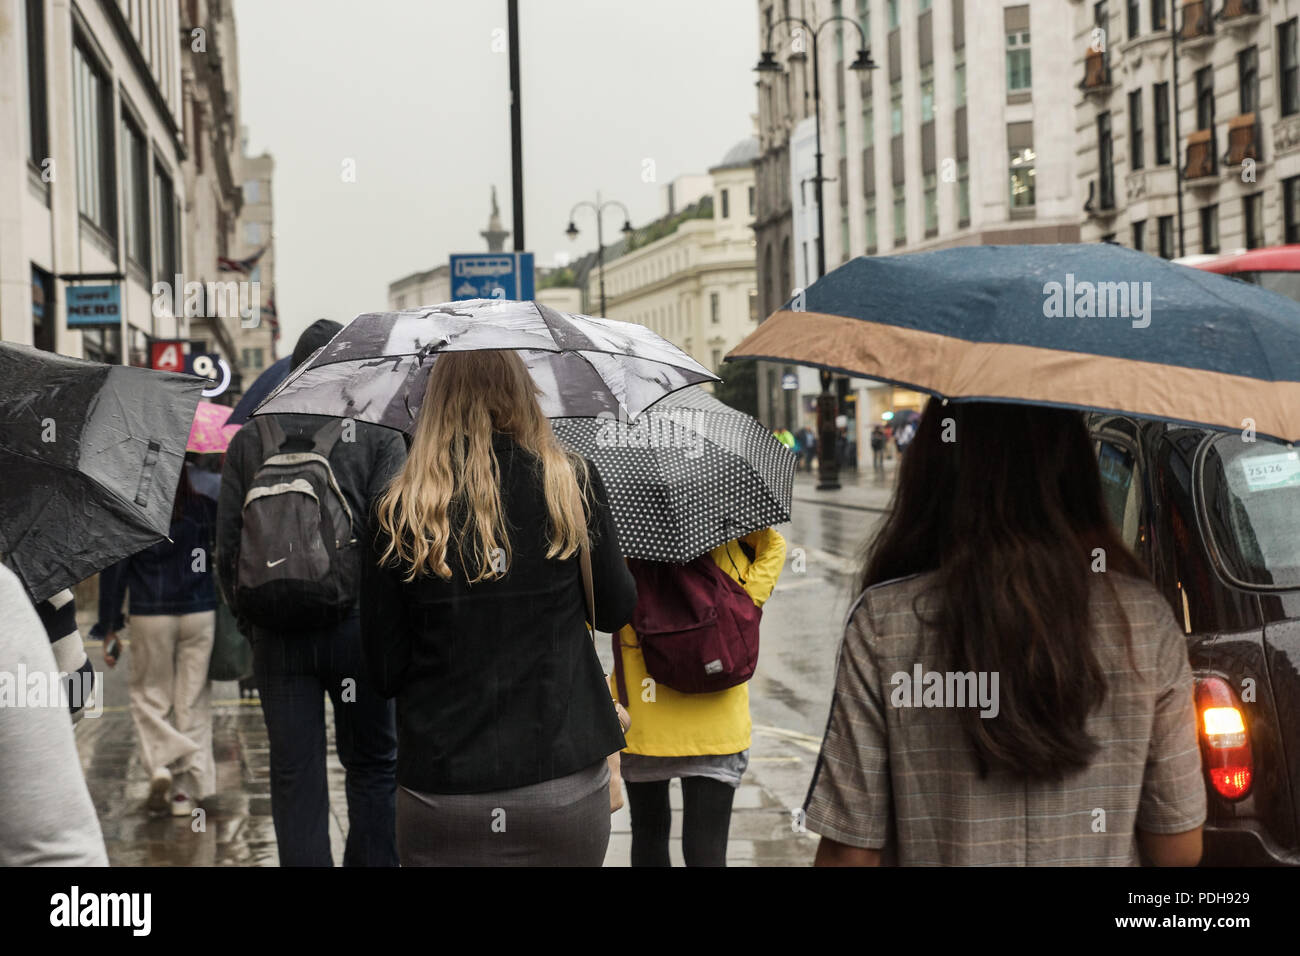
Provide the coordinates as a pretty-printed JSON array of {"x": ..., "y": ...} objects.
[{"x": 473, "y": 617}]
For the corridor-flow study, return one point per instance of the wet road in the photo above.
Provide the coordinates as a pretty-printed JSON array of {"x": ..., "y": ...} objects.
[{"x": 790, "y": 697}]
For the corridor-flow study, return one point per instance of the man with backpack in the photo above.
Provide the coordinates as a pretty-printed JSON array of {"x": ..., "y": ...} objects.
[{"x": 291, "y": 531}]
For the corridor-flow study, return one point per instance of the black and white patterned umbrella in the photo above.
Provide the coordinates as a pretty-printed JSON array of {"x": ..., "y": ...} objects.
[
  {"x": 687, "y": 475},
  {"x": 377, "y": 367}
]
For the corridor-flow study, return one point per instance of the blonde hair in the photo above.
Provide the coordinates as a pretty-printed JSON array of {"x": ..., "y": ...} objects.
[{"x": 452, "y": 466}]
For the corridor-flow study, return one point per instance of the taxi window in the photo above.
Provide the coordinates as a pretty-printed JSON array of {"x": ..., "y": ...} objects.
[{"x": 1252, "y": 495}]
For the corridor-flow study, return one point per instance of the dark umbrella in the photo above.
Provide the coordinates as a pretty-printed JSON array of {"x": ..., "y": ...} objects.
[
  {"x": 686, "y": 476},
  {"x": 376, "y": 369},
  {"x": 262, "y": 386},
  {"x": 91, "y": 455},
  {"x": 1094, "y": 327}
]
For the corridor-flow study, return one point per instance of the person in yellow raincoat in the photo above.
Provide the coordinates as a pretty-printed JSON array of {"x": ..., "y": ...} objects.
[{"x": 701, "y": 738}]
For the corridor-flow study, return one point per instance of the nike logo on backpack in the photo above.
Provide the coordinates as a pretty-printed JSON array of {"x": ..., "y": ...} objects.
[{"x": 271, "y": 564}]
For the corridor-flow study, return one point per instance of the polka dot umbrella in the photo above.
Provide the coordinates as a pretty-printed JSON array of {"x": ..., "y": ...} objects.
[{"x": 686, "y": 475}]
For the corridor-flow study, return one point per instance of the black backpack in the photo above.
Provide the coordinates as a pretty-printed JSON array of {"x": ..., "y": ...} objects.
[{"x": 299, "y": 559}]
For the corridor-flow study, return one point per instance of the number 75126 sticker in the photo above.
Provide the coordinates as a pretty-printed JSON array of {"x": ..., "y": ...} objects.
[{"x": 1272, "y": 471}]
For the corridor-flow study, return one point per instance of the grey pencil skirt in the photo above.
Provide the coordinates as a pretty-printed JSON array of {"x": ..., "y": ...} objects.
[{"x": 561, "y": 822}]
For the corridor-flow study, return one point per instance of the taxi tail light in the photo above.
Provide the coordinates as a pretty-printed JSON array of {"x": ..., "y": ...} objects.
[{"x": 1225, "y": 738}]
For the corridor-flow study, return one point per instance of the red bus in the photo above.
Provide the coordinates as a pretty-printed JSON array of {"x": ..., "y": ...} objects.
[{"x": 1276, "y": 268}]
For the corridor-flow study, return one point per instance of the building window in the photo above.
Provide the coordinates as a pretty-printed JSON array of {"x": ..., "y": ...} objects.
[
  {"x": 1135, "y": 129},
  {"x": 892, "y": 7},
  {"x": 251, "y": 191},
  {"x": 1134, "y": 18},
  {"x": 753, "y": 309},
  {"x": 868, "y": 123},
  {"x": 900, "y": 216},
  {"x": 42, "y": 309},
  {"x": 959, "y": 78},
  {"x": 1019, "y": 77},
  {"x": 93, "y": 111},
  {"x": 1165, "y": 227},
  {"x": 751, "y": 200},
  {"x": 844, "y": 235},
  {"x": 726, "y": 205},
  {"x": 717, "y": 359},
  {"x": 252, "y": 359},
  {"x": 1254, "y": 209},
  {"x": 252, "y": 233},
  {"x": 1140, "y": 235},
  {"x": 164, "y": 225},
  {"x": 1205, "y": 98},
  {"x": 1158, "y": 20},
  {"x": 1105, "y": 162},
  {"x": 895, "y": 109},
  {"x": 963, "y": 193},
  {"x": 1248, "y": 80},
  {"x": 871, "y": 225},
  {"x": 1210, "y": 228},
  {"x": 1021, "y": 176},
  {"x": 922, "y": 6},
  {"x": 931, "y": 204},
  {"x": 927, "y": 93},
  {"x": 400, "y": 302},
  {"x": 864, "y": 19},
  {"x": 1288, "y": 67},
  {"x": 715, "y": 308},
  {"x": 135, "y": 192},
  {"x": 1161, "y": 94},
  {"x": 1291, "y": 209},
  {"x": 38, "y": 117}
]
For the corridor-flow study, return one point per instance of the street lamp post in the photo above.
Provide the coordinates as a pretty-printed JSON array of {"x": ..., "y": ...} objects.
[
  {"x": 599, "y": 208},
  {"x": 828, "y": 469}
]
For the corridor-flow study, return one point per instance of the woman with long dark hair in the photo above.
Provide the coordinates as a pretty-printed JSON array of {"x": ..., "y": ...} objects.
[{"x": 1011, "y": 689}]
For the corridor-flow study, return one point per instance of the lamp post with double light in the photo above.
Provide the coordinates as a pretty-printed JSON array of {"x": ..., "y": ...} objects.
[
  {"x": 827, "y": 403},
  {"x": 599, "y": 208}
]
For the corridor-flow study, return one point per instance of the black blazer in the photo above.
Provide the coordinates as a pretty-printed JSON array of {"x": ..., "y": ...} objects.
[{"x": 497, "y": 683}]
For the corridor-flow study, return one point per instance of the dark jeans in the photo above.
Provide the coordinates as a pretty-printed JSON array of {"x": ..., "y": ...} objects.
[
  {"x": 706, "y": 820},
  {"x": 294, "y": 673}
]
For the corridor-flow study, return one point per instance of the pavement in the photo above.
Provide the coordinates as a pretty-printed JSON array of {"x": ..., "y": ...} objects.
[{"x": 790, "y": 697}]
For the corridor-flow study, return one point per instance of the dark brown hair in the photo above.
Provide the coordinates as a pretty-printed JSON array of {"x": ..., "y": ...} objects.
[{"x": 1004, "y": 502}]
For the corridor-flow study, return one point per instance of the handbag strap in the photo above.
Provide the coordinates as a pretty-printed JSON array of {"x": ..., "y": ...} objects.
[{"x": 588, "y": 590}]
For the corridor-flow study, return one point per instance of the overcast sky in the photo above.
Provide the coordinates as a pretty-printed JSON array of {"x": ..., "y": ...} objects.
[{"x": 413, "y": 92}]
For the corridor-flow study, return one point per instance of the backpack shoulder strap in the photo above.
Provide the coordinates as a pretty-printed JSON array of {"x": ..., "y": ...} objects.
[
  {"x": 271, "y": 434},
  {"x": 327, "y": 437}
]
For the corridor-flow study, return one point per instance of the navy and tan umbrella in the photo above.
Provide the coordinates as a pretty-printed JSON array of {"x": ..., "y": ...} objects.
[
  {"x": 687, "y": 475},
  {"x": 1094, "y": 327},
  {"x": 377, "y": 367}
]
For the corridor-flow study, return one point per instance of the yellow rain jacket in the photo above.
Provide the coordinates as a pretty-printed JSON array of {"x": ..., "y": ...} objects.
[{"x": 689, "y": 725}]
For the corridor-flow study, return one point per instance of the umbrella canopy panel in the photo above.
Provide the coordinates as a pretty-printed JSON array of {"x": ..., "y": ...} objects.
[
  {"x": 377, "y": 367},
  {"x": 688, "y": 475},
  {"x": 1097, "y": 327},
  {"x": 91, "y": 455}
]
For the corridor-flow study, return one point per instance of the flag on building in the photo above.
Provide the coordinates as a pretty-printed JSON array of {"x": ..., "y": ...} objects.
[{"x": 242, "y": 266}]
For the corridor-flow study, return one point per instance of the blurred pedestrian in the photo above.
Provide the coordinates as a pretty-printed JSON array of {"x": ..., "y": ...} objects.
[
  {"x": 171, "y": 606},
  {"x": 701, "y": 738},
  {"x": 784, "y": 437},
  {"x": 46, "y": 815},
  {"x": 294, "y": 585},
  {"x": 473, "y": 617},
  {"x": 878, "y": 449},
  {"x": 993, "y": 691},
  {"x": 808, "y": 443}
]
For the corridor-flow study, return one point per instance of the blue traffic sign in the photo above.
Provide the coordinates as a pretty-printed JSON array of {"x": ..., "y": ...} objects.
[{"x": 492, "y": 275}]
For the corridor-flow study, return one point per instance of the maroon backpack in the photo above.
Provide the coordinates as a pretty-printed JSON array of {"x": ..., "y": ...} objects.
[{"x": 698, "y": 628}]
